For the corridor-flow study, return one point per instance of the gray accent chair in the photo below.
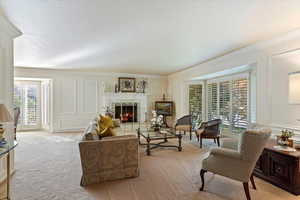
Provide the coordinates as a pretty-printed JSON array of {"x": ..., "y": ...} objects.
[
  {"x": 210, "y": 130},
  {"x": 184, "y": 124},
  {"x": 238, "y": 161}
]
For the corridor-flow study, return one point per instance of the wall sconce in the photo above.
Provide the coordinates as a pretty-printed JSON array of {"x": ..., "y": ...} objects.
[{"x": 294, "y": 88}]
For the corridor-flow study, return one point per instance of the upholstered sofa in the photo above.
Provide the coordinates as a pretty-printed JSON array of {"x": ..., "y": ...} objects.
[{"x": 110, "y": 158}]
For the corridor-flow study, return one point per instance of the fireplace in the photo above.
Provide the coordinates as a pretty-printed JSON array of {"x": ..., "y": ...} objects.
[
  {"x": 135, "y": 103},
  {"x": 126, "y": 112}
]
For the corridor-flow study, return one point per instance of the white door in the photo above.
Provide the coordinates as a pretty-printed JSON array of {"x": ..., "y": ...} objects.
[{"x": 27, "y": 96}]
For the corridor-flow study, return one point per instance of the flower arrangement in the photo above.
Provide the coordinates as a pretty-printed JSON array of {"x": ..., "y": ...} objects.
[
  {"x": 284, "y": 138},
  {"x": 157, "y": 120},
  {"x": 286, "y": 134},
  {"x": 109, "y": 111}
]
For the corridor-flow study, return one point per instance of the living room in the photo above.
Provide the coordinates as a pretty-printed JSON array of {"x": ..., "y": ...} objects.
[{"x": 149, "y": 100}]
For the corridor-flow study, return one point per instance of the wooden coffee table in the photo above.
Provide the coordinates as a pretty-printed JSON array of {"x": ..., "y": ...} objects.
[{"x": 161, "y": 136}]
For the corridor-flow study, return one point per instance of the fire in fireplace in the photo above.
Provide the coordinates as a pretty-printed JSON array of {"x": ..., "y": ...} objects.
[{"x": 126, "y": 112}]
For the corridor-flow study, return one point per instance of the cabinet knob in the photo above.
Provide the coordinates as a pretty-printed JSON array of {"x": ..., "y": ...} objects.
[{"x": 279, "y": 169}]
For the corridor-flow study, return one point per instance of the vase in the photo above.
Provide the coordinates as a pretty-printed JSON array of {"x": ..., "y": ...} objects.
[
  {"x": 156, "y": 128},
  {"x": 284, "y": 141}
]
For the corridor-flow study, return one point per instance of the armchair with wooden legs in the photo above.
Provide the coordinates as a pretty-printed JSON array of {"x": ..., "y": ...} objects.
[
  {"x": 209, "y": 130},
  {"x": 237, "y": 164},
  {"x": 184, "y": 124}
]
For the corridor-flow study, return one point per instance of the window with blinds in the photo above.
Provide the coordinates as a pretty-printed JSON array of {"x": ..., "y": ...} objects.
[
  {"x": 195, "y": 99},
  {"x": 27, "y": 98},
  {"x": 212, "y": 101},
  {"x": 195, "y": 104},
  {"x": 224, "y": 102},
  {"x": 228, "y": 100},
  {"x": 239, "y": 103}
]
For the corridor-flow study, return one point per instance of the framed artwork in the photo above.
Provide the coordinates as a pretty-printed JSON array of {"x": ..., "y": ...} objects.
[
  {"x": 141, "y": 86},
  {"x": 164, "y": 108},
  {"x": 294, "y": 88},
  {"x": 126, "y": 84}
]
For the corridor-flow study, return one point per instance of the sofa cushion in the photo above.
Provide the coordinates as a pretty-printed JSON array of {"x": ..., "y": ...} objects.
[
  {"x": 116, "y": 123},
  {"x": 105, "y": 126},
  {"x": 90, "y": 133}
]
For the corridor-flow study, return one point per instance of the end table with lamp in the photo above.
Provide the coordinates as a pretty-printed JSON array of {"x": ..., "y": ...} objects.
[{"x": 6, "y": 146}]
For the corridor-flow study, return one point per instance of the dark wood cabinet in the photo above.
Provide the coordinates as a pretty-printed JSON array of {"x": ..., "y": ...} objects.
[{"x": 279, "y": 168}]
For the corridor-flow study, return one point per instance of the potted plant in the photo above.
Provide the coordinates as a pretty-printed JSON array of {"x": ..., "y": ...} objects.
[{"x": 284, "y": 138}]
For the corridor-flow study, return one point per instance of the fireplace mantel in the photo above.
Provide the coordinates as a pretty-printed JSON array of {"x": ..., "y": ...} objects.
[{"x": 139, "y": 98}]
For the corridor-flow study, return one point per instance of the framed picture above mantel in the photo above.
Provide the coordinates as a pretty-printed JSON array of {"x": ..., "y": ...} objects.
[{"x": 126, "y": 84}]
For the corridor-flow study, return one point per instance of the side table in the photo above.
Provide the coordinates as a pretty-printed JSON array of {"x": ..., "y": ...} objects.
[{"x": 5, "y": 150}]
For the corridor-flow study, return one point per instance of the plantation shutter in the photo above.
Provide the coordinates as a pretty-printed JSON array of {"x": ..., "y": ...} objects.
[
  {"x": 195, "y": 100},
  {"x": 239, "y": 103},
  {"x": 27, "y": 98},
  {"x": 212, "y": 101},
  {"x": 224, "y": 102}
]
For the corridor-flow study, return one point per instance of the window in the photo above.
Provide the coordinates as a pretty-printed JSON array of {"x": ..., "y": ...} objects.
[
  {"x": 27, "y": 98},
  {"x": 195, "y": 99},
  {"x": 195, "y": 104},
  {"x": 227, "y": 99},
  {"x": 224, "y": 102},
  {"x": 239, "y": 103},
  {"x": 212, "y": 101}
]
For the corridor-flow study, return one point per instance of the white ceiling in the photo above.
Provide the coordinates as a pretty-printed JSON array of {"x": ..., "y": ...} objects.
[{"x": 141, "y": 36}]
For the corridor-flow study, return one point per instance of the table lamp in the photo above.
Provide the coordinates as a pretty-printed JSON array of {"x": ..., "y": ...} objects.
[{"x": 4, "y": 117}]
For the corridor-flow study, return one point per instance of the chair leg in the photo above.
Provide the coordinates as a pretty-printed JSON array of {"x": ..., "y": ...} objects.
[
  {"x": 190, "y": 135},
  {"x": 252, "y": 182},
  {"x": 218, "y": 141},
  {"x": 215, "y": 140},
  {"x": 201, "y": 142},
  {"x": 246, "y": 188},
  {"x": 81, "y": 182},
  {"x": 198, "y": 136},
  {"x": 202, "y": 172}
]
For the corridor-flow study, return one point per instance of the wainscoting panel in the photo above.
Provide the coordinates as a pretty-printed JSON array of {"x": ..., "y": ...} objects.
[
  {"x": 90, "y": 96},
  {"x": 78, "y": 102},
  {"x": 68, "y": 96}
]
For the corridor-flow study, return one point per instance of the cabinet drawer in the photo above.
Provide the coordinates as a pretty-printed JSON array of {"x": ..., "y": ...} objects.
[
  {"x": 261, "y": 164},
  {"x": 281, "y": 168}
]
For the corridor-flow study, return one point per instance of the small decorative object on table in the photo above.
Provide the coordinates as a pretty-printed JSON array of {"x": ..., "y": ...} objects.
[
  {"x": 109, "y": 111},
  {"x": 284, "y": 138},
  {"x": 157, "y": 121}
]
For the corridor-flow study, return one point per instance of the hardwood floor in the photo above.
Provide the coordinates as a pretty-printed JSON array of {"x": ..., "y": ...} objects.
[{"x": 48, "y": 168}]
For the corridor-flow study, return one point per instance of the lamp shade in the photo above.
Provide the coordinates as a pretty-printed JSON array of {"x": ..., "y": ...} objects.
[{"x": 4, "y": 114}]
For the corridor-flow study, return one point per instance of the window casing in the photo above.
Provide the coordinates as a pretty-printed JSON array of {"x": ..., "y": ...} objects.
[
  {"x": 228, "y": 100},
  {"x": 27, "y": 96}
]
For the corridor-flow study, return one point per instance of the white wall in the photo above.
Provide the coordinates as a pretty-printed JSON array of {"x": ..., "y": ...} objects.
[
  {"x": 7, "y": 34},
  {"x": 271, "y": 79},
  {"x": 283, "y": 113},
  {"x": 78, "y": 96}
]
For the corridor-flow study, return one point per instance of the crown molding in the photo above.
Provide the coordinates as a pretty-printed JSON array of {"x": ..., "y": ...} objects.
[
  {"x": 48, "y": 72},
  {"x": 8, "y": 28},
  {"x": 259, "y": 46}
]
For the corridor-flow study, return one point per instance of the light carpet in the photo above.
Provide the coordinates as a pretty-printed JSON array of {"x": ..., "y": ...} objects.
[{"x": 48, "y": 168}]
